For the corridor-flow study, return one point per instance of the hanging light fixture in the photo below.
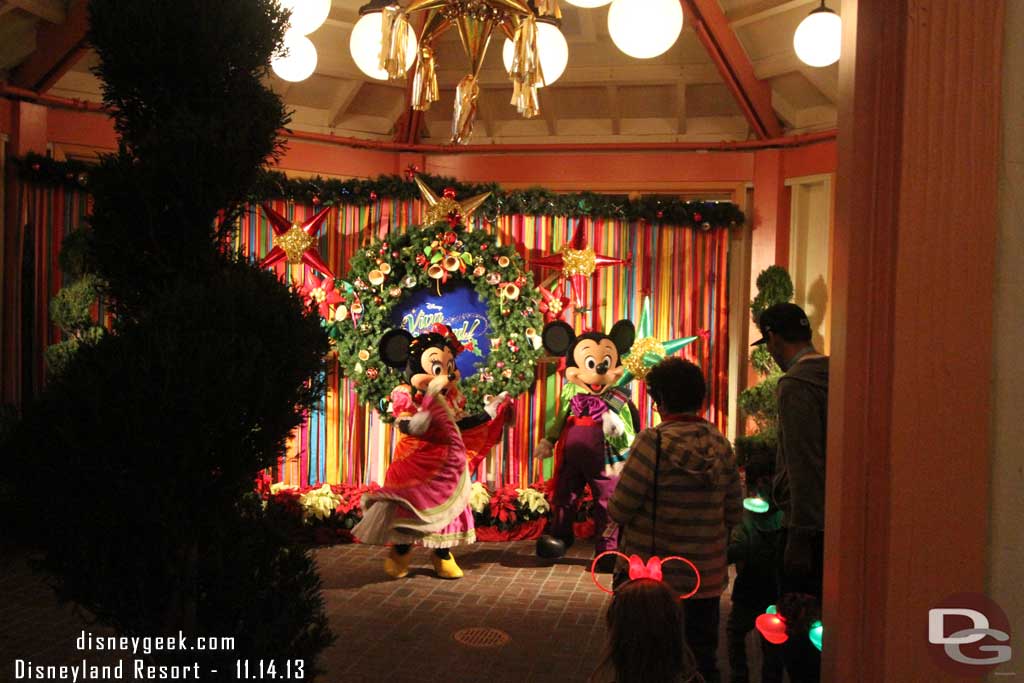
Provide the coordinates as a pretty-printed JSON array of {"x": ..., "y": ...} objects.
[
  {"x": 297, "y": 59},
  {"x": 365, "y": 42},
  {"x": 818, "y": 38},
  {"x": 551, "y": 46},
  {"x": 475, "y": 21},
  {"x": 307, "y": 15},
  {"x": 645, "y": 28}
]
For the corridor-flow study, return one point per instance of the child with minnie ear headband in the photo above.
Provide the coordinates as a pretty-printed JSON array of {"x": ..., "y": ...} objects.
[{"x": 646, "y": 639}]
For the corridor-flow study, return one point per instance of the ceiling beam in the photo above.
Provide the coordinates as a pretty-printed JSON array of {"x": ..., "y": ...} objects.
[
  {"x": 17, "y": 40},
  {"x": 60, "y": 48},
  {"x": 613, "y": 105},
  {"x": 753, "y": 95},
  {"x": 343, "y": 97},
  {"x": 825, "y": 80},
  {"x": 680, "y": 109},
  {"x": 49, "y": 10},
  {"x": 763, "y": 10},
  {"x": 548, "y": 111}
]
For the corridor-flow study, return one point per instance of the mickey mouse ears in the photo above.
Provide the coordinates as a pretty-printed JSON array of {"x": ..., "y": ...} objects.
[{"x": 639, "y": 570}]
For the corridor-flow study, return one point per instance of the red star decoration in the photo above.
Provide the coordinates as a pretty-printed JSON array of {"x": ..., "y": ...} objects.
[
  {"x": 578, "y": 243},
  {"x": 282, "y": 226},
  {"x": 320, "y": 293}
]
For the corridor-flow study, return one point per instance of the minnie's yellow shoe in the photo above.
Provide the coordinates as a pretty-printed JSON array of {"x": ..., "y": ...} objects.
[
  {"x": 396, "y": 566},
  {"x": 447, "y": 569}
]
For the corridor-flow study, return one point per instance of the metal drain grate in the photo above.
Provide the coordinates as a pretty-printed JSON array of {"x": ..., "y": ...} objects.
[{"x": 481, "y": 636}]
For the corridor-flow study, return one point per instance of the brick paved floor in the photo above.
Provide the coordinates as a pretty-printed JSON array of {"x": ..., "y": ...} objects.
[{"x": 392, "y": 630}]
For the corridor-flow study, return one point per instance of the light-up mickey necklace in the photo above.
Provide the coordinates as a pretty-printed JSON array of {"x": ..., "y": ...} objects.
[{"x": 772, "y": 626}]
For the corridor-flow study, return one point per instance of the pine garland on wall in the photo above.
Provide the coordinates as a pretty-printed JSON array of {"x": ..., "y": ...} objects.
[{"x": 698, "y": 214}]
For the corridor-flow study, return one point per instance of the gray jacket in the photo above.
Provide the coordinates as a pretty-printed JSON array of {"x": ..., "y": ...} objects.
[{"x": 799, "y": 486}]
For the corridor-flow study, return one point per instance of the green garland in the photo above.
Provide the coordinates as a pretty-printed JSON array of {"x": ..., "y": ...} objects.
[
  {"x": 403, "y": 261},
  {"x": 698, "y": 214}
]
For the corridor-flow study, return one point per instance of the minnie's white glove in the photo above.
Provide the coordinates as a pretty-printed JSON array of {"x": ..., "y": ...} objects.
[
  {"x": 544, "y": 449},
  {"x": 419, "y": 423},
  {"x": 493, "y": 403}
]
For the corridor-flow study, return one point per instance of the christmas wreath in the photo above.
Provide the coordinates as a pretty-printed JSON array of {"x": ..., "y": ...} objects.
[{"x": 437, "y": 256}]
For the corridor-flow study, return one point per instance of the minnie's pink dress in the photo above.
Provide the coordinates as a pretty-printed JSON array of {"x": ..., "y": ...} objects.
[{"x": 425, "y": 497}]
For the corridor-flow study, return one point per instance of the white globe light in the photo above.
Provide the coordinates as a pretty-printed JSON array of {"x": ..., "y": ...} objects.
[
  {"x": 588, "y": 4},
  {"x": 300, "y": 62},
  {"x": 645, "y": 28},
  {"x": 554, "y": 52},
  {"x": 364, "y": 44},
  {"x": 307, "y": 15},
  {"x": 818, "y": 38}
]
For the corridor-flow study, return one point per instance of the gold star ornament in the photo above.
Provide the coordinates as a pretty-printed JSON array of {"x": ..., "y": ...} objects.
[{"x": 443, "y": 207}]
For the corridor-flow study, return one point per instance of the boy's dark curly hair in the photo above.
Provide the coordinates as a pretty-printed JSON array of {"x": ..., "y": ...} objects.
[{"x": 676, "y": 385}]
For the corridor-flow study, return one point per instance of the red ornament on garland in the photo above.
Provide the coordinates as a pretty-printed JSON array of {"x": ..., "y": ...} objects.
[
  {"x": 316, "y": 200},
  {"x": 410, "y": 172},
  {"x": 449, "y": 193},
  {"x": 697, "y": 217}
]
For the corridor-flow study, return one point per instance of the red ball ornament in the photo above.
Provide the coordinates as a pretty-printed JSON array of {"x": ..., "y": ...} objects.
[
  {"x": 483, "y": 247},
  {"x": 697, "y": 217},
  {"x": 316, "y": 200},
  {"x": 36, "y": 167},
  {"x": 395, "y": 254},
  {"x": 507, "y": 312},
  {"x": 377, "y": 300},
  {"x": 449, "y": 192},
  {"x": 500, "y": 364},
  {"x": 372, "y": 373},
  {"x": 373, "y": 196},
  {"x": 660, "y": 214},
  {"x": 450, "y": 237}
]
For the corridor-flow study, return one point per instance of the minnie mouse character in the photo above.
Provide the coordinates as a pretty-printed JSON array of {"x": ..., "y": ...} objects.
[
  {"x": 593, "y": 430},
  {"x": 425, "y": 497}
]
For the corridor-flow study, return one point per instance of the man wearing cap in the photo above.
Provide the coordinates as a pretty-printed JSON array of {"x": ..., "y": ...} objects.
[{"x": 799, "y": 485}]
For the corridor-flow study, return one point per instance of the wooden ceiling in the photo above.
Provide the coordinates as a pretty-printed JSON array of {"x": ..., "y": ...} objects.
[{"x": 732, "y": 75}]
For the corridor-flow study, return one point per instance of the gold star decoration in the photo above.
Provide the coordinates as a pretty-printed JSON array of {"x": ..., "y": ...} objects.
[{"x": 441, "y": 207}]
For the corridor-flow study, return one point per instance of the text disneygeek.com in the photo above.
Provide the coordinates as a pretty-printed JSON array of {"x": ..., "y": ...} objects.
[{"x": 137, "y": 668}]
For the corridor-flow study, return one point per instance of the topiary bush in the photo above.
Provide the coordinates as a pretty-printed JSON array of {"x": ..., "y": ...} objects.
[
  {"x": 774, "y": 286},
  {"x": 134, "y": 471}
]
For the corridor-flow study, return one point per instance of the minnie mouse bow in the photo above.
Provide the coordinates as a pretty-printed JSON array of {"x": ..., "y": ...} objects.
[
  {"x": 650, "y": 570},
  {"x": 450, "y": 338}
]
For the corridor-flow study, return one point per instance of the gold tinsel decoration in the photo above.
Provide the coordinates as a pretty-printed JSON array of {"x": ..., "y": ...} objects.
[
  {"x": 439, "y": 212},
  {"x": 634, "y": 362},
  {"x": 294, "y": 243},
  {"x": 578, "y": 262}
]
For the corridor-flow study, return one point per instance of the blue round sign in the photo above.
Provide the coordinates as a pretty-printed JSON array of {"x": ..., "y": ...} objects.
[{"x": 460, "y": 308}]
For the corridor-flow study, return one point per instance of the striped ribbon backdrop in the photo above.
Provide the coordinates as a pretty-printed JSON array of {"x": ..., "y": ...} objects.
[{"x": 683, "y": 271}]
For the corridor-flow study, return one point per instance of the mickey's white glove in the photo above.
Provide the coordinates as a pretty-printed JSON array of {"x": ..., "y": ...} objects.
[
  {"x": 612, "y": 425},
  {"x": 544, "y": 449}
]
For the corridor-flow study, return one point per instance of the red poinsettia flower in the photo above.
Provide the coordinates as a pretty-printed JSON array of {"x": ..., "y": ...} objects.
[
  {"x": 555, "y": 305},
  {"x": 320, "y": 294}
]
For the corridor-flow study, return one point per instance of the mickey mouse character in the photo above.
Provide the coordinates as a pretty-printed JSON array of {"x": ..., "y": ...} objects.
[
  {"x": 593, "y": 430},
  {"x": 425, "y": 497}
]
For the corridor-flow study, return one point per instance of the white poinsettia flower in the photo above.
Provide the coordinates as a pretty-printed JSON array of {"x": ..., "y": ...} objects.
[
  {"x": 533, "y": 500},
  {"x": 479, "y": 497}
]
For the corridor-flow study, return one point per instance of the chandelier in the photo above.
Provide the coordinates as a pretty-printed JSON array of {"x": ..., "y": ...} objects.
[{"x": 384, "y": 45}]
